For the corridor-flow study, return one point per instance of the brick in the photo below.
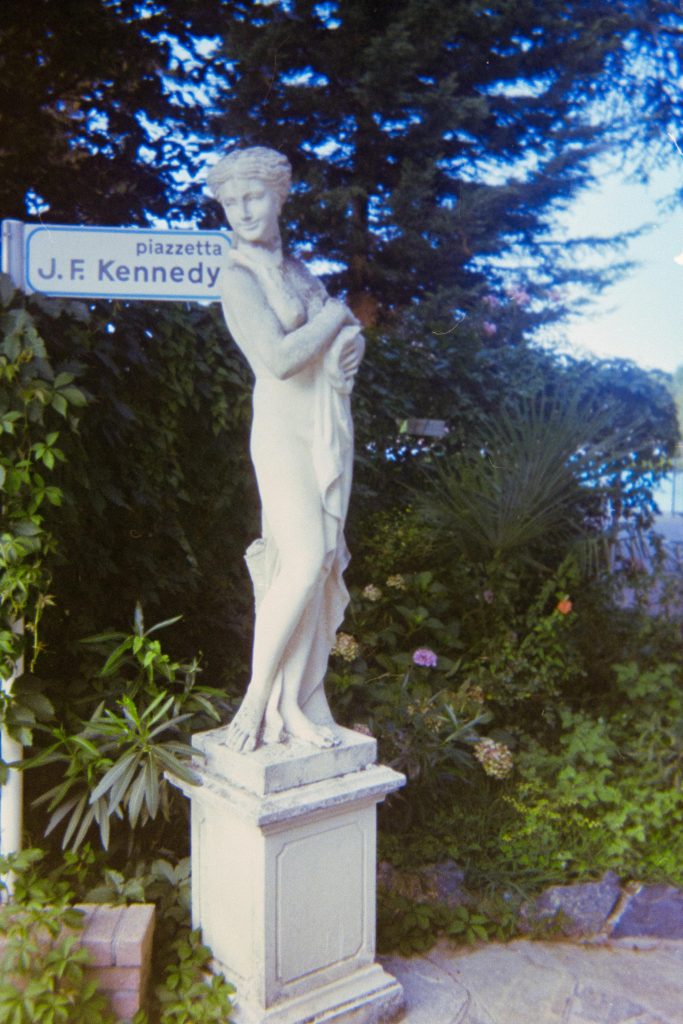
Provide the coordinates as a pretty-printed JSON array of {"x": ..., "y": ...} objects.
[
  {"x": 119, "y": 941},
  {"x": 133, "y": 936},
  {"x": 111, "y": 979},
  {"x": 88, "y": 910},
  {"x": 125, "y": 1004},
  {"x": 98, "y": 934}
]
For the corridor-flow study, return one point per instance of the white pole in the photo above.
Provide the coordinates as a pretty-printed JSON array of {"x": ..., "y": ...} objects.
[{"x": 12, "y": 793}]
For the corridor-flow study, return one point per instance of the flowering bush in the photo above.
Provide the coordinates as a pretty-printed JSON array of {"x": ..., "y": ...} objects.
[{"x": 451, "y": 676}]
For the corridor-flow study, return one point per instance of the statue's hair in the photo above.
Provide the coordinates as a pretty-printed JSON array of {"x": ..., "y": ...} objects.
[{"x": 256, "y": 162}]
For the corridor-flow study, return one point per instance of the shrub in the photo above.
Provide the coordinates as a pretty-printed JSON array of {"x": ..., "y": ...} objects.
[
  {"x": 42, "y": 969},
  {"x": 116, "y": 756}
]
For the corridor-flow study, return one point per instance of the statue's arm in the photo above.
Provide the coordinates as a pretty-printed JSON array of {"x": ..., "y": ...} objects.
[{"x": 258, "y": 331}]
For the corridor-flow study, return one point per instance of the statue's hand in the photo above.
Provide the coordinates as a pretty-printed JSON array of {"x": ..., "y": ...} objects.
[
  {"x": 238, "y": 258},
  {"x": 333, "y": 314}
]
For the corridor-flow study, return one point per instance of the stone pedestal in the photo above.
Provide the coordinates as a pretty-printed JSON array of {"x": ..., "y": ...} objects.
[{"x": 283, "y": 878}]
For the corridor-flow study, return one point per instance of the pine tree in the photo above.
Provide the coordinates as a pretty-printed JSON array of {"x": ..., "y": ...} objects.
[
  {"x": 432, "y": 140},
  {"x": 88, "y": 127}
]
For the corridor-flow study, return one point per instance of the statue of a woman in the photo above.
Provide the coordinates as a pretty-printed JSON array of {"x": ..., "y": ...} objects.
[{"x": 304, "y": 349}]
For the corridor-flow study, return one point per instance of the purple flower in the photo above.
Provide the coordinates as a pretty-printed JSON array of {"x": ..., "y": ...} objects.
[
  {"x": 489, "y": 328},
  {"x": 492, "y": 301},
  {"x": 425, "y": 657}
]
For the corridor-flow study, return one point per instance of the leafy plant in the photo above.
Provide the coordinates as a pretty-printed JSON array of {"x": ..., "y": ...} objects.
[
  {"x": 43, "y": 969},
  {"x": 114, "y": 762},
  {"x": 41, "y": 910},
  {"x": 34, "y": 396},
  {"x": 411, "y": 926},
  {"x": 517, "y": 494},
  {"x": 181, "y": 961},
  {"x": 607, "y": 794},
  {"x": 185, "y": 993}
]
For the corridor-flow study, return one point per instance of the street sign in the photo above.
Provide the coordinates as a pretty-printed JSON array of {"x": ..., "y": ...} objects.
[{"x": 115, "y": 263}]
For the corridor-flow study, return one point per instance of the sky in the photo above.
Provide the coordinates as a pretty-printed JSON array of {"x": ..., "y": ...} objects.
[{"x": 641, "y": 316}]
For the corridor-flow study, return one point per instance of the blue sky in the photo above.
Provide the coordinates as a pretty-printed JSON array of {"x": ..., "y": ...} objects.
[{"x": 640, "y": 317}]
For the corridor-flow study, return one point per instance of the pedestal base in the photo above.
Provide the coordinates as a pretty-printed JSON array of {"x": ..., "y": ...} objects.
[
  {"x": 370, "y": 996},
  {"x": 283, "y": 880}
]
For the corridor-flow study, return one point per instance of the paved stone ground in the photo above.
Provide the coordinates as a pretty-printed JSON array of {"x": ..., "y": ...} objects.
[{"x": 624, "y": 981}]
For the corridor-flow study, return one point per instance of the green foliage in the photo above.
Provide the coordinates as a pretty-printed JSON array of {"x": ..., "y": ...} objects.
[
  {"x": 34, "y": 395},
  {"x": 167, "y": 433},
  {"x": 518, "y": 492},
  {"x": 181, "y": 962},
  {"x": 525, "y": 659},
  {"x": 409, "y": 926},
  {"x": 415, "y": 145},
  {"x": 185, "y": 994},
  {"x": 494, "y": 662},
  {"x": 405, "y": 925},
  {"x": 608, "y": 795},
  {"x": 424, "y": 715},
  {"x": 37, "y": 884},
  {"x": 115, "y": 760},
  {"x": 42, "y": 969},
  {"x": 40, "y": 910}
]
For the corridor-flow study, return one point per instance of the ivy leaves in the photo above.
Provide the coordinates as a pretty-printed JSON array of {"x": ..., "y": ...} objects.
[{"x": 31, "y": 392}]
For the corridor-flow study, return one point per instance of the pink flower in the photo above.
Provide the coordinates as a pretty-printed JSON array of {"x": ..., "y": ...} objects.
[
  {"x": 519, "y": 296},
  {"x": 492, "y": 301},
  {"x": 425, "y": 657},
  {"x": 488, "y": 596},
  {"x": 488, "y": 328}
]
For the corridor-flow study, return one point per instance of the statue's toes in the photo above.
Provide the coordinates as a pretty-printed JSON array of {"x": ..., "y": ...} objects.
[{"x": 328, "y": 738}]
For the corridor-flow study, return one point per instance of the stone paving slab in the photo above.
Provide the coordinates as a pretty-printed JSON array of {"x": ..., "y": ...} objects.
[{"x": 526, "y": 982}]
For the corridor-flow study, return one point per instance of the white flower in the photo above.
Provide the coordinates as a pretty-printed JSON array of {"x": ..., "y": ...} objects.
[
  {"x": 495, "y": 758},
  {"x": 346, "y": 647}
]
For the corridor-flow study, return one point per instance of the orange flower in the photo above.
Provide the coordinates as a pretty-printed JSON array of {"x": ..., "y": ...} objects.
[{"x": 564, "y": 606}]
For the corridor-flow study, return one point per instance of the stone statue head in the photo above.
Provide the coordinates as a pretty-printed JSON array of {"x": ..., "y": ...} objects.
[{"x": 267, "y": 165}]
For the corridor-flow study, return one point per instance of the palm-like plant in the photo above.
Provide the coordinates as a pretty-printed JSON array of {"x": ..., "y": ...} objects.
[{"x": 527, "y": 491}]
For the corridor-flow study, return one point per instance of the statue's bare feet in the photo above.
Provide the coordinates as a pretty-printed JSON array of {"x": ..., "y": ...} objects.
[
  {"x": 242, "y": 735},
  {"x": 299, "y": 727}
]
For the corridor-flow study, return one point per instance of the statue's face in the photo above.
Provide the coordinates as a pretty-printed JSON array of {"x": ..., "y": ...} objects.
[{"x": 252, "y": 209}]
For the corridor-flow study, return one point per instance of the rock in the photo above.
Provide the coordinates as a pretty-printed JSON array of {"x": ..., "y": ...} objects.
[
  {"x": 655, "y": 910},
  {"x": 584, "y": 907},
  {"x": 437, "y": 883},
  {"x": 445, "y": 883},
  {"x": 385, "y": 874}
]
